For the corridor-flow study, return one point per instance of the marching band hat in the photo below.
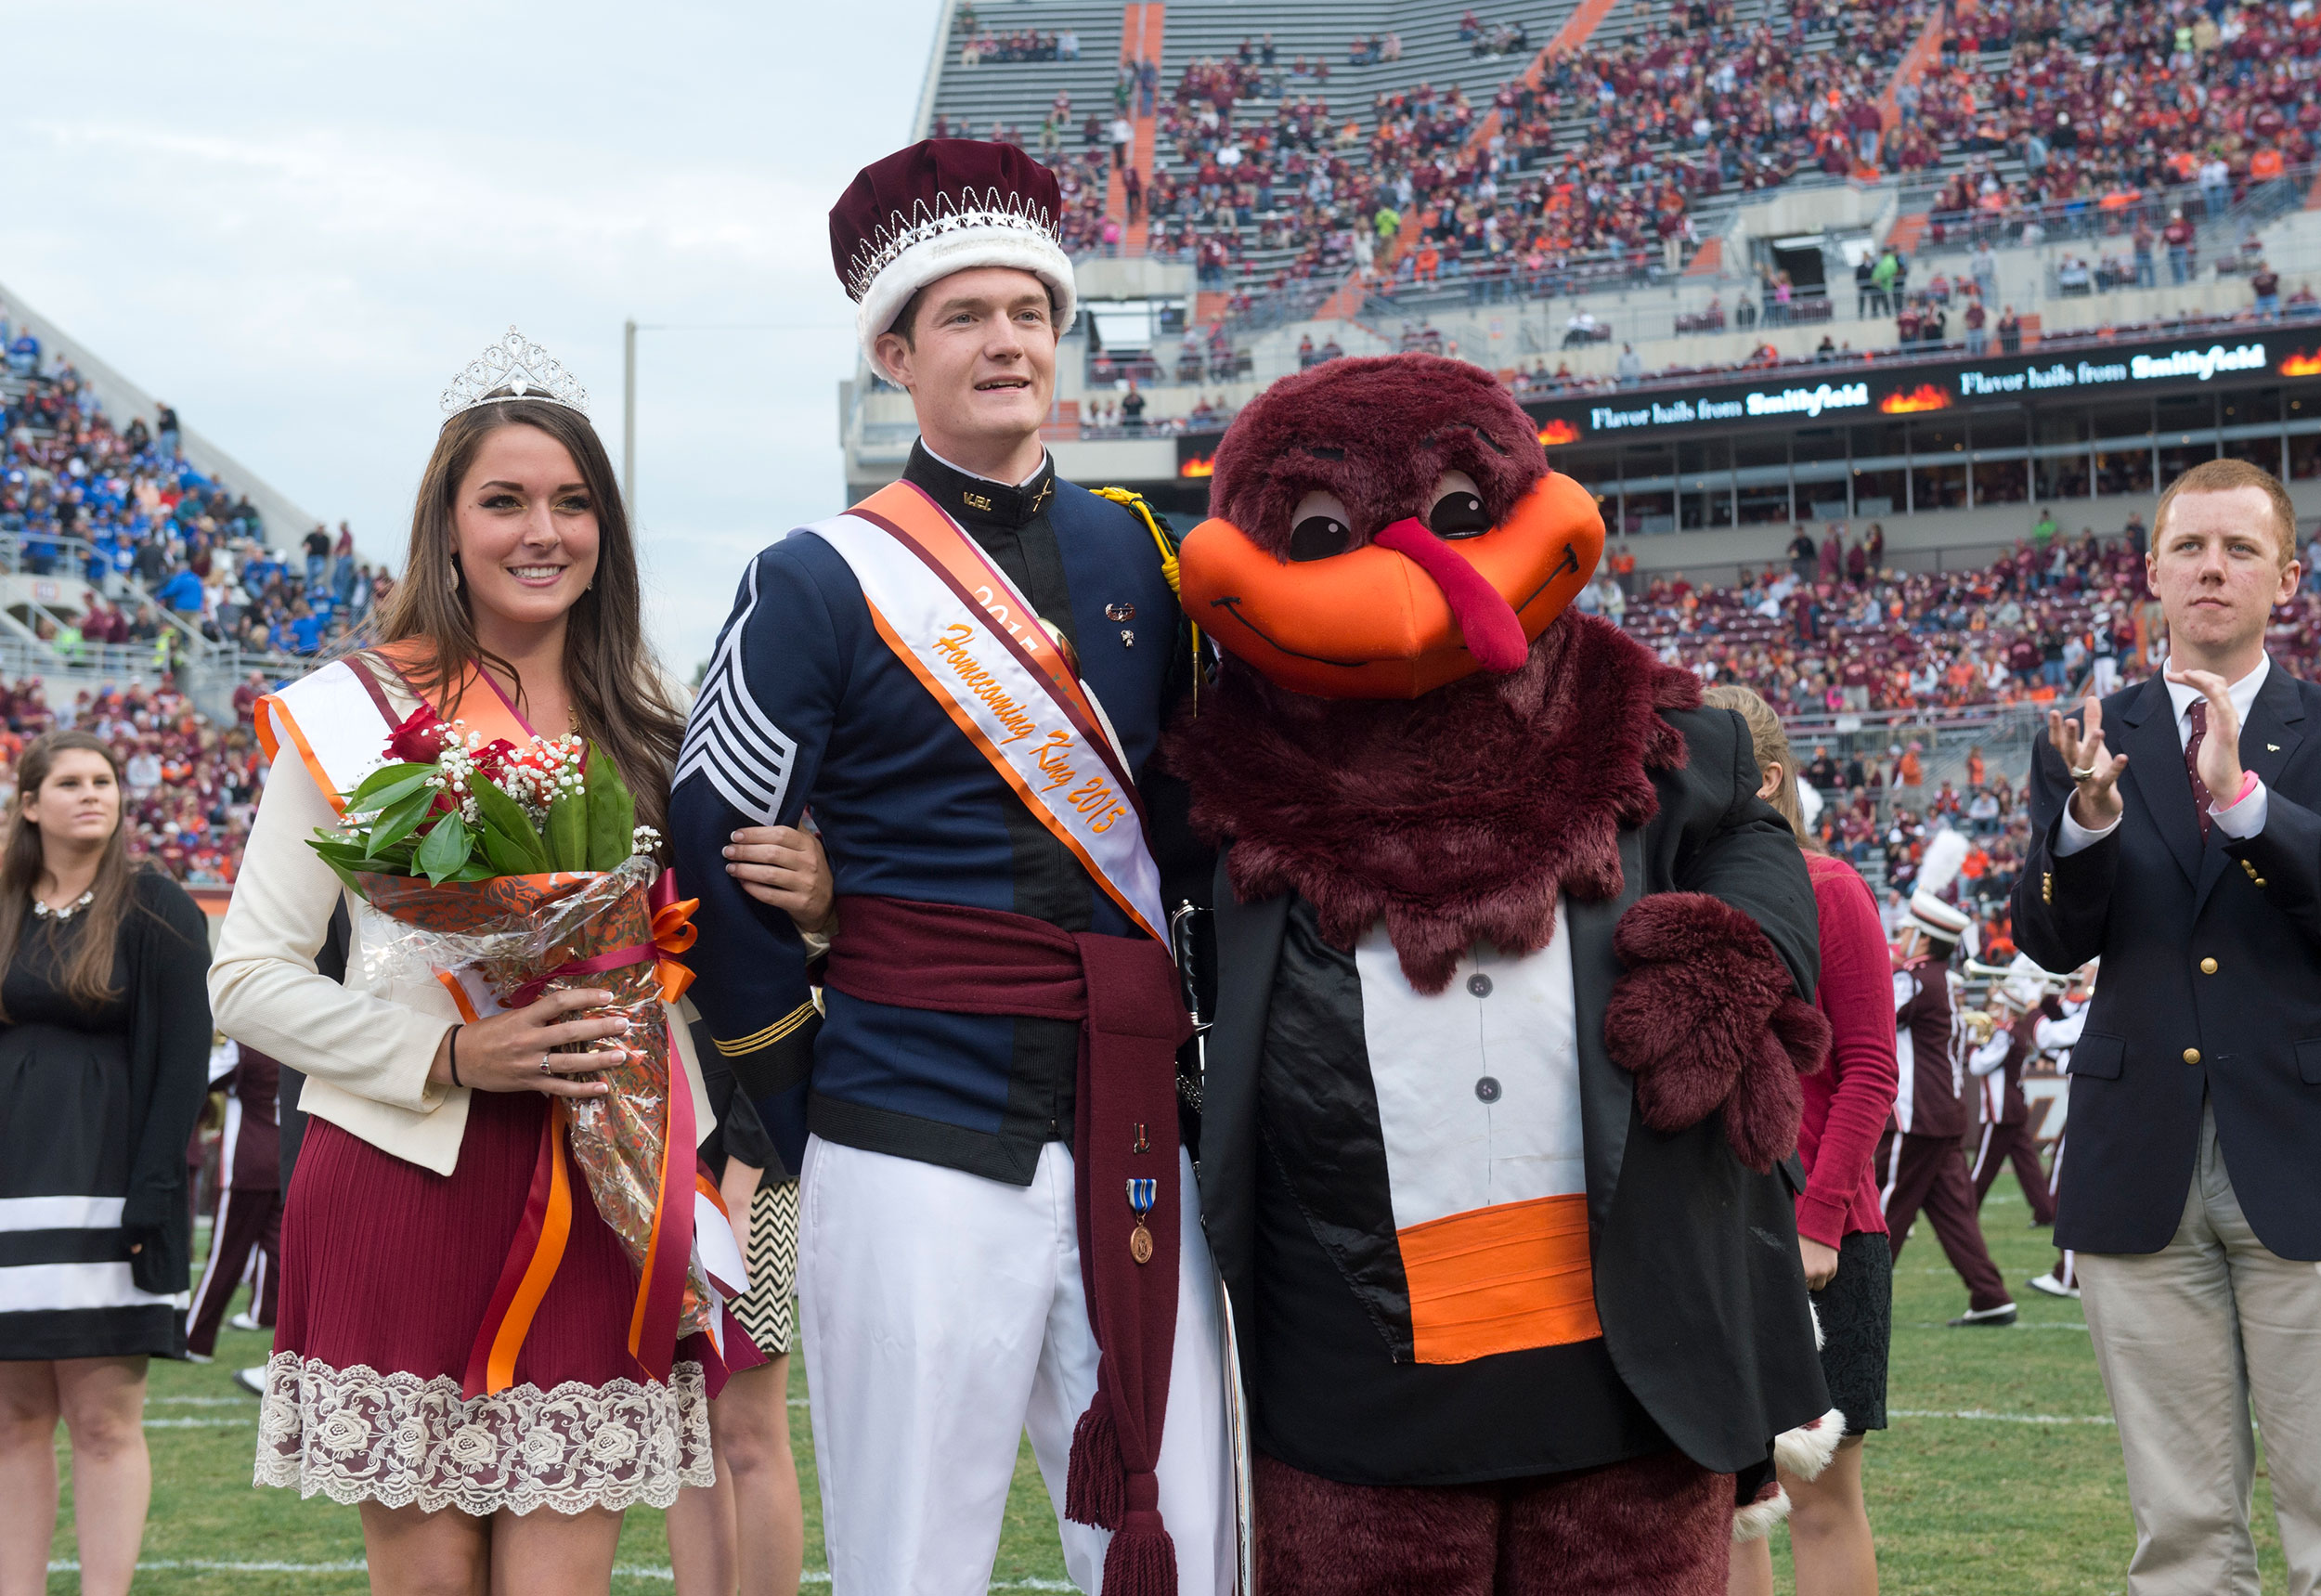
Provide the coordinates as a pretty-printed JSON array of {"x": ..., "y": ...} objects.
[
  {"x": 946, "y": 205},
  {"x": 1935, "y": 918}
]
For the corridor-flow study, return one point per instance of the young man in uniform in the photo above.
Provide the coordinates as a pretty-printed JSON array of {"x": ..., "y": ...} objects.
[
  {"x": 961, "y": 679},
  {"x": 1920, "y": 1162}
]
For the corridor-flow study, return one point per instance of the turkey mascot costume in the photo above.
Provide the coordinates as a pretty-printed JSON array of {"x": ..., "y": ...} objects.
[{"x": 1514, "y": 981}]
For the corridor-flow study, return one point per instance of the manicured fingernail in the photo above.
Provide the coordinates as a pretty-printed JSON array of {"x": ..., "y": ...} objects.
[
  {"x": 727, "y": 851},
  {"x": 732, "y": 836}
]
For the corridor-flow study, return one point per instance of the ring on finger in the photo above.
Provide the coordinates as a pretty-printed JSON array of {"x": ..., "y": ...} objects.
[
  {"x": 544, "y": 1069},
  {"x": 2085, "y": 776}
]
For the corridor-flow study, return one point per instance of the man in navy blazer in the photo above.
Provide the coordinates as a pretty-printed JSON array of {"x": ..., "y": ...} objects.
[{"x": 2189, "y": 860}]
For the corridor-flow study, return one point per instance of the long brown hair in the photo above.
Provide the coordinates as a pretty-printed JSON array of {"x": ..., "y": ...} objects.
[
  {"x": 618, "y": 694},
  {"x": 89, "y": 973},
  {"x": 1771, "y": 745}
]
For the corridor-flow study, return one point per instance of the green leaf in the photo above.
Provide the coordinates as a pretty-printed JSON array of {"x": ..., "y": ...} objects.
[
  {"x": 507, "y": 858},
  {"x": 568, "y": 832},
  {"x": 348, "y": 878},
  {"x": 386, "y": 783},
  {"x": 337, "y": 846},
  {"x": 611, "y": 813},
  {"x": 444, "y": 852},
  {"x": 398, "y": 822},
  {"x": 502, "y": 817}
]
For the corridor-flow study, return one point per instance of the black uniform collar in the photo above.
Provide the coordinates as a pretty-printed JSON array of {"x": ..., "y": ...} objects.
[{"x": 972, "y": 497}]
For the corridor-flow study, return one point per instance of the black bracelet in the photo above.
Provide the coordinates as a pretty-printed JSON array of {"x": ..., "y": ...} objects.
[{"x": 455, "y": 1054}]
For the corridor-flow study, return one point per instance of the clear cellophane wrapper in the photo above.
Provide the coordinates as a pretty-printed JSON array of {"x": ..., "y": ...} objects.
[{"x": 515, "y": 929}]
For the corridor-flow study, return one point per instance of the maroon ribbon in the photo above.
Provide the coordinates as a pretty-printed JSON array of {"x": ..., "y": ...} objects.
[
  {"x": 1124, "y": 994},
  {"x": 530, "y": 992}
]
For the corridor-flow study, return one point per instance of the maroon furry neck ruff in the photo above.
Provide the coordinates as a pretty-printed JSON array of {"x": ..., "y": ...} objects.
[{"x": 1456, "y": 816}]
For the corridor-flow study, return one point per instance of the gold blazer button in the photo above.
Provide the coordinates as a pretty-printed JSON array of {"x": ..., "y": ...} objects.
[
  {"x": 2207, "y": 966},
  {"x": 2192, "y": 1055}
]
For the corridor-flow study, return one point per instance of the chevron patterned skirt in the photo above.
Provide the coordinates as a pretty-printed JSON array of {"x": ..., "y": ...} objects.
[{"x": 768, "y": 1309}]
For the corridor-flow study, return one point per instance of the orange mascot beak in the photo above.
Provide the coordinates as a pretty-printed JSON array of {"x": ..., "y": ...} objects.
[{"x": 1403, "y": 614}]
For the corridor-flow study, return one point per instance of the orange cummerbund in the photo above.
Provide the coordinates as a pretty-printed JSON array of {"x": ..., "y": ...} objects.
[{"x": 1502, "y": 1279}]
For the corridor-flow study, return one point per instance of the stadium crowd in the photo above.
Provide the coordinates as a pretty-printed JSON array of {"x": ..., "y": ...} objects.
[
  {"x": 80, "y": 496},
  {"x": 1591, "y": 163},
  {"x": 1837, "y": 634},
  {"x": 164, "y": 554},
  {"x": 2121, "y": 116}
]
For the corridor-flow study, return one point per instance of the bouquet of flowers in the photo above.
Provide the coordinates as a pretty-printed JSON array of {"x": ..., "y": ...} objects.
[{"x": 506, "y": 873}]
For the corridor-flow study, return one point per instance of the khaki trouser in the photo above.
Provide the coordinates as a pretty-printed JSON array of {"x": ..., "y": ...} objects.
[{"x": 2190, "y": 1339}]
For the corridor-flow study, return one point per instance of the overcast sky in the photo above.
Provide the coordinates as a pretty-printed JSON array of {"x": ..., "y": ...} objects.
[{"x": 296, "y": 222}]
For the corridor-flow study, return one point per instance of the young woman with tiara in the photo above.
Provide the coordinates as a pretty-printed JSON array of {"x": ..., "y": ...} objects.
[{"x": 518, "y": 614}]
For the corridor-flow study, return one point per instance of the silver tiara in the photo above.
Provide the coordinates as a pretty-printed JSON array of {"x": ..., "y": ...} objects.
[
  {"x": 523, "y": 368},
  {"x": 949, "y": 214}
]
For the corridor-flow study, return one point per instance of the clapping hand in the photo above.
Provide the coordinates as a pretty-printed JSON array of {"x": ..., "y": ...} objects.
[
  {"x": 2220, "y": 749},
  {"x": 2095, "y": 771}
]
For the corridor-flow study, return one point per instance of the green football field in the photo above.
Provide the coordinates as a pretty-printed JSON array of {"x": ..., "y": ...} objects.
[{"x": 2001, "y": 1472}]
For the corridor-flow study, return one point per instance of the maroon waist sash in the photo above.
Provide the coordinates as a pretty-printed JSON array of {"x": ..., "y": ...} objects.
[{"x": 1123, "y": 993}]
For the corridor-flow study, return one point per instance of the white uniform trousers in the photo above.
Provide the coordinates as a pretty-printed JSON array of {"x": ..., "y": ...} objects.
[{"x": 943, "y": 1316}]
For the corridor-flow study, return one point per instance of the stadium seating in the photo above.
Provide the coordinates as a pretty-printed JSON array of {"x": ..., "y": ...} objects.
[{"x": 128, "y": 572}]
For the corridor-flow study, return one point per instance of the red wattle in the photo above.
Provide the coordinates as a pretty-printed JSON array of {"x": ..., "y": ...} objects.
[{"x": 1488, "y": 623}]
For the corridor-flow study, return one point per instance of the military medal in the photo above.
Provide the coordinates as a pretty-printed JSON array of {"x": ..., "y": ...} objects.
[{"x": 1141, "y": 1196}]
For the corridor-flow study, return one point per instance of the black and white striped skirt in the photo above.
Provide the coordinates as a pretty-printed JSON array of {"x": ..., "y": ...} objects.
[{"x": 66, "y": 1132}]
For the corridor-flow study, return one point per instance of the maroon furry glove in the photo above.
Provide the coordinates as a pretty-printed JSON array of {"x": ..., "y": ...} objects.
[{"x": 1706, "y": 1019}]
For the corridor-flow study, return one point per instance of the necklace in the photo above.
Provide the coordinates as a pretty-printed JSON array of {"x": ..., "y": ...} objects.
[{"x": 42, "y": 910}]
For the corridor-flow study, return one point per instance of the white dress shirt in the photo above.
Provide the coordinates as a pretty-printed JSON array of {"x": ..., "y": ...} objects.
[{"x": 2235, "y": 819}]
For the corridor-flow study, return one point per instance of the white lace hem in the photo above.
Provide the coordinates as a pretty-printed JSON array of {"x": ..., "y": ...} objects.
[{"x": 355, "y": 1434}]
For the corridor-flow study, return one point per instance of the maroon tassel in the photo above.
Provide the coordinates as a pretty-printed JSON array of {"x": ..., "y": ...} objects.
[
  {"x": 1096, "y": 1482},
  {"x": 1141, "y": 1560}
]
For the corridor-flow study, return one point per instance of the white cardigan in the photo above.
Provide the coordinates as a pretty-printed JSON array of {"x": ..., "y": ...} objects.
[{"x": 365, "y": 1050}]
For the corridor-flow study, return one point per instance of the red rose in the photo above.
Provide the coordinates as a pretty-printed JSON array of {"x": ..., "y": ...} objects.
[
  {"x": 420, "y": 740},
  {"x": 493, "y": 757}
]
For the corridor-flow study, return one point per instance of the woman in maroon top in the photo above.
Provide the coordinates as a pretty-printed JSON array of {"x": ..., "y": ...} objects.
[{"x": 1841, "y": 1229}]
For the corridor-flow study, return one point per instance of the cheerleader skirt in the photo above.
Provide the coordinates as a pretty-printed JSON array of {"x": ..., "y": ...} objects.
[{"x": 387, "y": 1271}]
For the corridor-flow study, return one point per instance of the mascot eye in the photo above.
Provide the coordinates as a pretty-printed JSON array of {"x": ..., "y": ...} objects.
[
  {"x": 1319, "y": 528},
  {"x": 1457, "y": 511},
  {"x": 1320, "y": 537}
]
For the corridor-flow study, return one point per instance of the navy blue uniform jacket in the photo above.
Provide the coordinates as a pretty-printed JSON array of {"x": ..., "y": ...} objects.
[{"x": 806, "y": 707}]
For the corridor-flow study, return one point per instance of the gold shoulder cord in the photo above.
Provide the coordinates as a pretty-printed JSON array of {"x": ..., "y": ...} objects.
[{"x": 1134, "y": 502}]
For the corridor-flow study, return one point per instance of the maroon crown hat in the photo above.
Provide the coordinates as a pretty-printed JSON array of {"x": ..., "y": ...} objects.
[{"x": 946, "y": 205}]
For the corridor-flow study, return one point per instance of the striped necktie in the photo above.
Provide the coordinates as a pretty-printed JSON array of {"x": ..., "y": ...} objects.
[{"x": 2201, "y": 799}]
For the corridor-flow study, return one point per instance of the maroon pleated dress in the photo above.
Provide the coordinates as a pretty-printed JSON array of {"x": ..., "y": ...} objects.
[{"x": 387, "y": 1271}]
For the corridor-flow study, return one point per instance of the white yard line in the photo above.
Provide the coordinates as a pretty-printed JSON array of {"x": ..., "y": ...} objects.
[
  {"x": 1980, "y": 1415},
  {"x": 201, "y": 1401},
  {"x": 243, "y": 1423},
  {"x": 357, "y": 1565}
]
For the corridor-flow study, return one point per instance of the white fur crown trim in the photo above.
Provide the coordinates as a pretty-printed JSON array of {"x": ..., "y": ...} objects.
[{"x": 938, "y": 255}]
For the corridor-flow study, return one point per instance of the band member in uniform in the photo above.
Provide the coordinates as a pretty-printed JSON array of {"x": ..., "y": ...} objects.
[
  {"x": 961, "y": 679},
  {"x": 249, "y": 1215},
  {"x": 2190, "y": 860},
  {"x": 1920, "y": 1162},
  {"x": 2031, "y": 1019}
]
